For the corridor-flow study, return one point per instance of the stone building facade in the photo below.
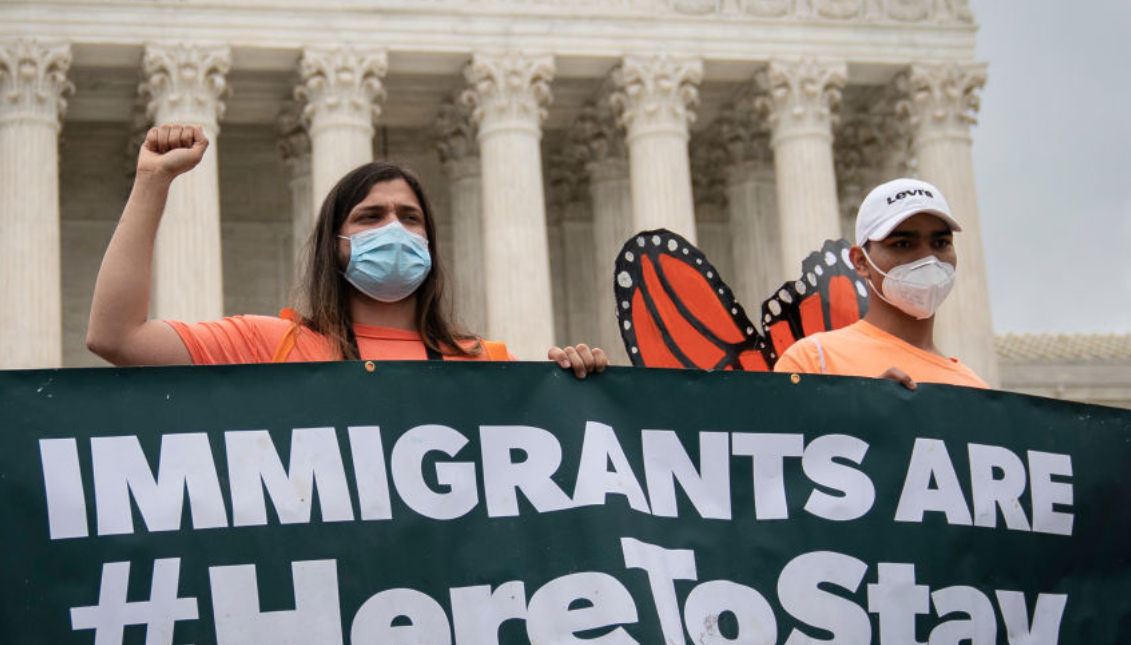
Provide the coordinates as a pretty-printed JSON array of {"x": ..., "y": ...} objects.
[{"x": 546, "y": 131}]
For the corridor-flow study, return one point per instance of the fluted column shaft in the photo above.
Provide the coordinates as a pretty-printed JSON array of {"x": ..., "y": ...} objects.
[
  {"x": 294, "y": 147},
  {"x": 611, "y": 194},
  {"x": 509, "y": 93},
  {"x": 800, "y": 101},
  {"x": 942, "y": 103},
  {"x": 655, "y": 101},
  {"x": 458, "y": 146},
  {"x": 754, "y": 233},
  {"x": 187, "y": 85},
  {"x": 466, "y": 189},
  {"x": 33, "y": 90},
  {"x": 341, "y": 89}
]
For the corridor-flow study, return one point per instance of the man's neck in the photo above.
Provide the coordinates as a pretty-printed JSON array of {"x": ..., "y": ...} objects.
[
  {"x": 396, "y": 315},
  {"x": 913, "y": 331}
]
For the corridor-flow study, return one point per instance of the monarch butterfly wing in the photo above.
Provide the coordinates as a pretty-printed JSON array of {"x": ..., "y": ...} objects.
[
  {"x": 674, "y": 310},
  {"x": 828, "y": 295}
]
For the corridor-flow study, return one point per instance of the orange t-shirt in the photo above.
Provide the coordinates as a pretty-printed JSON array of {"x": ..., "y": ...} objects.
[
  {"x": 862, "y": 349},
  {"x": 255, "y": 339}
]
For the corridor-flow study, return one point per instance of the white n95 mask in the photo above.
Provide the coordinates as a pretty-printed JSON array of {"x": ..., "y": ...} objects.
[{"x": 916, "y": 288}]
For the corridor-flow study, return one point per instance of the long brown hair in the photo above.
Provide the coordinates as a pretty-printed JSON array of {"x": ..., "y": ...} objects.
[{"x": 323, "y": 292}]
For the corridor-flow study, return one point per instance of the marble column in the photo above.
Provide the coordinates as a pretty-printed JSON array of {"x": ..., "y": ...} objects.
[
  {"x": 708, "y": 181},
  {"x": 800, "y": 101},
  {"x": 341, "y": 90},
  {"x": 294, "y": 148},
  {"x": 187, "y": 85},
  {"x": 33, "y": 91},
  {"x": 753, "y": 209},
  {"x": 508, "y": 94},
  {"x": 872, "y": 146},
  {"x": 655, "y": 101},
  {"x": 569, "y": 196},
  {"x": 941, "y": 105},
  {"x": 458, "y": 145},
  {"x": 610, "y": 202}
]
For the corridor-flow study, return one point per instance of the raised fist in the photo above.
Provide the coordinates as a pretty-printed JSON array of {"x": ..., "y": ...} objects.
[{"x": 171, "y": 150}]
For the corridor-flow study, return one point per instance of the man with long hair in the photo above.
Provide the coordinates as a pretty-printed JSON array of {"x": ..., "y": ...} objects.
[{"x": 373, "y": 287}]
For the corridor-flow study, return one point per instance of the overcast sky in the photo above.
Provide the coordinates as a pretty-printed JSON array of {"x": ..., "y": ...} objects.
[{"x": 1052, "y": 154}]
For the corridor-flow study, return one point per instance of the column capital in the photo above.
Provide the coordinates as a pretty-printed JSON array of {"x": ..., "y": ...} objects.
[
  {"x": 508, "y": 91},
  {"x": 33, "y": 81},
  {"x": 597, "y": 136},
  {"x": 341, "y": 87},
  {"x": 941, "y": 99},
  {"x": 745, "y": 137},
  {"x": 294, "y": 142},
  {"x": 709, "y": 161},
  {"x": 656, "y": 93},
  {"x": 456, "y": 133},
  {"x": 186, "y": 83},
  {"x": 567, "y": 185},
  {"x": 800, "y": 97}
]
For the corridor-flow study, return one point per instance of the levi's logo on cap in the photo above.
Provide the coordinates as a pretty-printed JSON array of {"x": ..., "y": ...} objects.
[{"x": 909, "y": 193}]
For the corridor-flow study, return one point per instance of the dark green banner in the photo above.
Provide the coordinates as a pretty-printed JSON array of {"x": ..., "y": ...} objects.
[{"x": 473, "y": 504}]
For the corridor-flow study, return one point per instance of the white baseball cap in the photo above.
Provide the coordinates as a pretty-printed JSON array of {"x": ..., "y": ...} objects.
[{"x": 889, "y": 204}]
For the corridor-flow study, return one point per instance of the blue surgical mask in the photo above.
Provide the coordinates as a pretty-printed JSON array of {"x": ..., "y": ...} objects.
[{"x": 387, "y": 263}]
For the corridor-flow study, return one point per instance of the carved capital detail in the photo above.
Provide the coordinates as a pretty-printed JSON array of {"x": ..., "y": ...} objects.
[
  {"x": 33, "y": 81},
  {"x": 941, "y": 99},
  {"x": 800, "y": 97},
  {"x": 294, "y": 142},
  {"x": 596, "y": 136},
  {"x": 456, "y": 133},
  {"x": 508, "y": 91},
  {"x": 744, "y": 136},
  {"x": 186, "y": 83},
  {"x": 341, "y": 86},
  {"x": 656, "y": 93},
  {"x": 709, "y": 161}
]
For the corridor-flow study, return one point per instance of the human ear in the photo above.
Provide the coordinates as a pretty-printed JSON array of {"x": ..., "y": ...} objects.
[{"x": 860, "y": 263}]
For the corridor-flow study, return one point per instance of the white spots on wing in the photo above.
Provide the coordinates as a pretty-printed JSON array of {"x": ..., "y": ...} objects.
[
  {"x": 673, "y": 245},
  {"x": 686, "y": 250},
  {"x": 811, "y": 278},
  {"x": 721, "y": 291},
  {"x": 844, "y": 256},
  {"x": 655, "y": 240},
  {"x": 627, "y": 325},
  {"x": 749, "y": 331},
  {"x": 624, "y": 280},
  {"x": 800, "y": 287},
  {"x": 710, "y": 275},
  {"x": 767, "y": 317},
  {"x": 819, "y": 270},
  {"x": 629, "y": 256},
  {"x": 785, "y": 297},
  {"x": 734, "y": 311},
  {"x": 830, "y": 258},
  {"x": 640, "y": 241},
  {"x": 635, "y": 350},
  {"x": 775, "y": 308},
  {"x": 698, "y": 260},
  {"x": 624, "y": 305},
  {"x": 861, "y": 290}
]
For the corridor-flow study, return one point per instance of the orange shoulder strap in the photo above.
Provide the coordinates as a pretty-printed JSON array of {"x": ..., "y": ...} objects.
[
  {"x": 496, "y": 350},
  {"x": 287, "y": 342}
]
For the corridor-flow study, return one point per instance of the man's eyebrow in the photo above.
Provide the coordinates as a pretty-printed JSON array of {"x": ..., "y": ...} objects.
[
  {"x": 903, "y": 234},
  {"x": 947, "y": 232}
]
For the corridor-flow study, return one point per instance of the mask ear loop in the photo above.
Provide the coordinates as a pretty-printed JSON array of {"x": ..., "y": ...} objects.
[{"x": 881, "y": 272}]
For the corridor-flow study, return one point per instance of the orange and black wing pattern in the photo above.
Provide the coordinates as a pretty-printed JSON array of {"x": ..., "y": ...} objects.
[
  {"x": 675, "y": 310},
  {"x": 828, "y": 295}
]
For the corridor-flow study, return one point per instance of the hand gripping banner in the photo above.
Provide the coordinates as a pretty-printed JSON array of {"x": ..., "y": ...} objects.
[{"x": 440, "y": 504}]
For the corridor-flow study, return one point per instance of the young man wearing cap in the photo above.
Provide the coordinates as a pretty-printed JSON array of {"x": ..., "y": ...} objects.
[{"x": 905, "y": 252}]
